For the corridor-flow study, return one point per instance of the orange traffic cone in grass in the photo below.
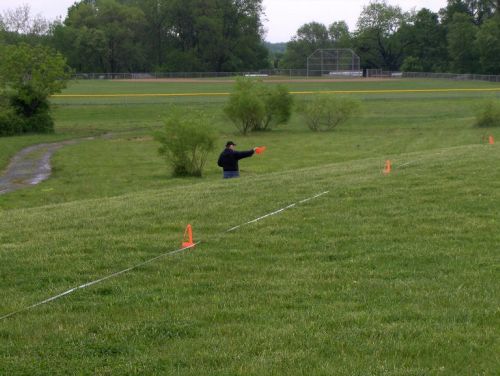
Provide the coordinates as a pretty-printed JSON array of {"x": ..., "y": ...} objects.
[
  {"x": 187, "y": 240},
  {"x": 388, "y": 167},
  {"x": 492, "y": 140}
]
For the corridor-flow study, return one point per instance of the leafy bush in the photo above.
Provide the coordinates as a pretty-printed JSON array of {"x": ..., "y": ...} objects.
[
  {"x": 245, "y": 108},
  {"x": 32, "y": 111},
  {"x": 253, "y": 106},
  {"x": 185, "y": 143},
  {"x": 324, "y": 113},
  {"x": 10, "y": 123},
  {"x": 488, "y": 115},
  {"x": 278, "y": 104},
  {"x": 18, "y": 116}
]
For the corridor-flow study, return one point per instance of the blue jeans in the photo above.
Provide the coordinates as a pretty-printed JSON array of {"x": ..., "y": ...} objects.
[{"x": 231, "y": 174}]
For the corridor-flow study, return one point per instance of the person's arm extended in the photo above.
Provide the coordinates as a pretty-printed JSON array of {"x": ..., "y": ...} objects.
[{"x": 243, "y": 154}]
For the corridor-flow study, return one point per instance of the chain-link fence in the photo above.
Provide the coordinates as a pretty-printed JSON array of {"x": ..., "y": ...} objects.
[
  {"x": 278, "y": 73},
  {"x": 452, "y": 76},
  {"x": 283, "y": 74},
  {"x": 379, "y": 73},
  {"x": 335, "y": 62}
]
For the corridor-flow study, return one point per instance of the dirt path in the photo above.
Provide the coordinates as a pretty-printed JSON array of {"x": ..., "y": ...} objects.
[{"x": 31, "y": 166}]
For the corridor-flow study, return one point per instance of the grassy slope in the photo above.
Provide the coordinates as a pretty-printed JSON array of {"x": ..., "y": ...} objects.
[
  {"x": 129, "y": 162},
  {"x": 391, "y": 275},
  {"x": 80, "y": 117},
  {"x": 384, "y": 275}
]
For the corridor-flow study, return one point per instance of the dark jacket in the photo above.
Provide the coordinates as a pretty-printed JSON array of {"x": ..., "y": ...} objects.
[{"x": 229, "y": 158}]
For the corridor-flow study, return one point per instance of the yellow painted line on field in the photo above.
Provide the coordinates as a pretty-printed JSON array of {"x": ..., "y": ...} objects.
[
  {"x": 394, "y": 91},
  {"x": 138, "y": 95}
]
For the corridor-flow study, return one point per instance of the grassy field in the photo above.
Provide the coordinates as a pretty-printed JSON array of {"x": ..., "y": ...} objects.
[{"x": 384, "y": 275}]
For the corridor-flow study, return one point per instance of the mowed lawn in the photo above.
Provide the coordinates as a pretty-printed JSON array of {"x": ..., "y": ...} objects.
[
  {"x": 383, "y": 275},
  {"x": 124, "y": 157}
]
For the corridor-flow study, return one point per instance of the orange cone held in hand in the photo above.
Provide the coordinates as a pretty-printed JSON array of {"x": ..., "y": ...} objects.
[
  {"x": 492, "y": 140},
  {"x": 260, "y": 149},
  {"x": 388, "y": 167},
  {"x": 187, "y": 240}
]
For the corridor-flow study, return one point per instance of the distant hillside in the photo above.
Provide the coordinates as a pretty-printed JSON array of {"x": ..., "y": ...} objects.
[{"x": 276, "y": 47}]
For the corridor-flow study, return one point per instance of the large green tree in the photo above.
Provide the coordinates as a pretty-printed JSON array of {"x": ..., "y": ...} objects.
[
  {"x": 379, "y": 36},
  {"x": 309, "y": 38},
  {"x": 425, "y": 38},
  {"x": 157, "y": 28},
  {"x": 478, "y": 10},
  {"x": 103, "y": 36},
  {"x": 488, "y": 42},
  {"x": 340, "y": 35},
  {"x": 462, "y": 48},
  {"x": 28, "y": 76}
]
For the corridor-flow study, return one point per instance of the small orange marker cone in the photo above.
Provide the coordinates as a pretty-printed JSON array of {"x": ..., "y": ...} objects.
[
  {"x": 388, "y": 167},
  {"x": 187, "y": 240},
  {"x": 492, "y": 140},
  {"x": 260, "y": 149}
]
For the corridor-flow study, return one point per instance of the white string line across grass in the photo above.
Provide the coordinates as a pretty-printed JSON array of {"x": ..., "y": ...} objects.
[
  {"x": 430, "y": 156},
  {"x": 98, "y": 281},
  {"x": 171, "y": 253},
  {"x": 277, "y": 211}
]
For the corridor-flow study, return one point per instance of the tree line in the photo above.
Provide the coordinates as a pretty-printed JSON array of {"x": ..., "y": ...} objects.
[
  {"x": 228, "y": 35},
  {"x": 147, "y": 35},
  {"x": 463, "y": 37}
]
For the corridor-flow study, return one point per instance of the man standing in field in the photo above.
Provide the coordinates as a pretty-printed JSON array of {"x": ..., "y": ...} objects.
[{"x": 229, "y": 158}]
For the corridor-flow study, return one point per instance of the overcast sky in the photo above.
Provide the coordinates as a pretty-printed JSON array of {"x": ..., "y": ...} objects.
[{"x": 283, "y": 17}]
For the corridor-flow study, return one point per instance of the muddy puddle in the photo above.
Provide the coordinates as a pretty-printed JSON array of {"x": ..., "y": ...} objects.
[{"x": 31, "y": 166}]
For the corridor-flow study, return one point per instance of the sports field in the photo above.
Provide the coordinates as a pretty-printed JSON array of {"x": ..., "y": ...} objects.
[{"x": 354, "y": 273}]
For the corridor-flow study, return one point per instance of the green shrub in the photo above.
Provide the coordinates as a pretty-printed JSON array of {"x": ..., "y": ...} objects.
[
  {"x": 34, "y": 112},
  {"x": 255, "y": 107},
  {"x": 245, "y": 107},
  {"x": 324, "y": 113},
  {"x": 278, "y": 104},
  {"x": 17, "y": 116},
  {"x": 185, "y": 143},
  {"x": 488, "y": 115},
  {"x": 10, "y": 123}
]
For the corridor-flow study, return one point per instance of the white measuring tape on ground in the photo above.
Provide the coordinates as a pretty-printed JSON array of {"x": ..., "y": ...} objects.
[
  {"x": 98, "y": 281},
  {"x": 171, "y": 253},
  {"x": 277, "y": 211}
]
